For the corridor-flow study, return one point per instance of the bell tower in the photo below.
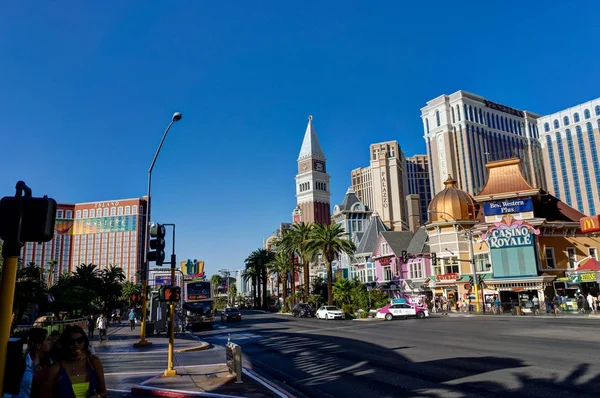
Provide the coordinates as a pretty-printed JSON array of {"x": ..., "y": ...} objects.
[{"x": 312, "y": 181}]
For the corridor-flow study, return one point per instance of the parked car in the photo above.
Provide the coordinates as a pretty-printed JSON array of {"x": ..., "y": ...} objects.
[
  {"x": 403, "y": 311},
  {"x": 303, "y": 310},
  {"x": 231, "y": 314},
  {"x": 330, "y": 312}
]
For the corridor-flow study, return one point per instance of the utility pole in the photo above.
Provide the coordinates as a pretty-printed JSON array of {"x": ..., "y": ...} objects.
[{"x": 170, "y": 356}]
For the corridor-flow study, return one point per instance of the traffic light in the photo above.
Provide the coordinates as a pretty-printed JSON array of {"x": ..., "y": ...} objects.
[
  {"x": 136, "y": 298},
  {"x": 157, "y": 243},
  {"x": 471, "y": 280},
  {"x": 404, "y": 256},
  {"x": 479, "y": 279},
  {"x": 433, "y": 259},
  {"x": 170, "y": 294},
  {"x": 38, "y": 216}
]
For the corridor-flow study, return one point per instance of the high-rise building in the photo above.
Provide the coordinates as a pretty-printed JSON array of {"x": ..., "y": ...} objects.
[
  {"x": 56, "y": 254},
  {"x": 381, "y": 186},
  {"x": 417, "y": 177},
  {"x": 312, "y": 181},
  {"x": 110, "y": 233},
  {"x": 569, "y": 140},
  {"x": 464, "y": 131}
]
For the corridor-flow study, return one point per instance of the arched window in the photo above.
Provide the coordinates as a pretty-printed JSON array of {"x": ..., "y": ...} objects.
[
  {"x": 427, "y": 125},
  {"x": 546, "y": 127},
  {"x": 576, "y": 117},
  {"x": 458, "y": 112},
  {"x": 105, "y": 212},
  {"x": 453, "y": 117},
  {"x": 586, "y": 113},
  {"x": 597, "y": 110},
  {"x": 437, "y": 118},
  {"x": 556, "y": 125},
  {"x": 481, "y": 117},
  {"x": 566, "y": 120},
  {"x": 471, "y": 118},
  {"x": 92, "y": 213}
]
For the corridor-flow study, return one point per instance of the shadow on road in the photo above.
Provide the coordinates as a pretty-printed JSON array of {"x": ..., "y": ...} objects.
[{"x": 321, "y": 365}]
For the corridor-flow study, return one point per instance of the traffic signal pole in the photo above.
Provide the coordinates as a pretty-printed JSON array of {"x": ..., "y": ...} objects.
[
  {"x": 170, "y": 356},
  {"x": 10, "y": 253}
]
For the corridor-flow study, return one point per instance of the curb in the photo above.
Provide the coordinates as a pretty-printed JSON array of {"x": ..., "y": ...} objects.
[
  {"x": 266, "y": 383},
  {"x": 141, "y": 391},
  {"x": 203, "y": 346}
]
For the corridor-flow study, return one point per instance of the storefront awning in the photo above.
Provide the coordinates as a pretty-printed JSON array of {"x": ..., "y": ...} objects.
[{"x": 511, "y": 284}]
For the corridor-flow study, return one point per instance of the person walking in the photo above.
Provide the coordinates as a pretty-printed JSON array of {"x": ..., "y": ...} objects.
[
  {"x": 591, "y": 303},
  {"x": 91, "y": 326},
  {"x": 132, "y": 319},
  {"x": 101, "y": 325}
]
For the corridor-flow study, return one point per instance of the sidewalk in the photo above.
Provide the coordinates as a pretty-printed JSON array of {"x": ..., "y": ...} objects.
[
  {"x": 571, "y": 315},
  {"x": 132, "y": 371}
]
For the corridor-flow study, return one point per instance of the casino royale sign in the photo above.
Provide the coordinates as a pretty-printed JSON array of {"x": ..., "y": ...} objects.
[{"x": 510, "y": 233}]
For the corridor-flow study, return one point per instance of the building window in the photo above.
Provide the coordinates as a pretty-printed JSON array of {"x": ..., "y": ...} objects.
[
  {"x": 576, "y": 117},
  {"x": 566, "y": 120},
  {"x": 59, "y": 214},
  {"x": 586, "y": 113},
  {"x": 85, "y": 214},
  {"x": 133, "y": 209},
  {"x": 105, "y": 212},
  {"x": 482, "y": 261},
  {"x": 69, "y": 214},
  {"x": 120, "y": 211},
  {"x": 426, "y": 128},
  {"x": 571, "y": 256},
  {"x": 586, "y": 174},
  {"x": 385, "y": 248},
  {"x": 392, "y": 153},
  {"x": 415, "y": 271},
  {"x": 453, "y": 117},
  {"x": 78, "y": 214},
  {"x": 563, "y": 168},
  {"x": 113, "y": 211},
  {"x": 437, "y": 118},
  {"x": 595, "y": 164},
  {"x": 92, "y": 213},
  {"x": 593, "y": 253},
  {"x": 451, "y": 265},
  {"x": 578, "y": 196},
  {"x": 550, "y": 260},
  {"x": 556, "y": 125},
  {"x": 597, "y": 110},
  {"x": 458, "y": 112},
  {"x": 387, "y": 274},
  {"x": 553, "y": 166}
]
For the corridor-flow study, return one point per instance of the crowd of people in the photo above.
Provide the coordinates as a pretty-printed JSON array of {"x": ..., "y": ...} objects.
[{"x": 58, "y": 366}]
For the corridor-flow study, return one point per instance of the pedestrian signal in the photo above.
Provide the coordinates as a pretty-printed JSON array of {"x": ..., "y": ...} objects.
[
  {"x": 433, "y": 259},
  {"x": 404, "y": 256},
  {"x": 171, "y": 294}
]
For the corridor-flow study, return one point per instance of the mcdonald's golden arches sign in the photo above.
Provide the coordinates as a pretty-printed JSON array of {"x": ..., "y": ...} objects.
[{"x": 590, "y": 224}]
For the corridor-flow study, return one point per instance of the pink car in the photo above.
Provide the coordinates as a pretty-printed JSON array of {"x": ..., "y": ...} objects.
[{"x": 403, "y": 311}]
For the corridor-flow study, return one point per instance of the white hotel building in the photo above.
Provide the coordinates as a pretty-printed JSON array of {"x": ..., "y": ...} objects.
[{"x": 569, "y": 140}]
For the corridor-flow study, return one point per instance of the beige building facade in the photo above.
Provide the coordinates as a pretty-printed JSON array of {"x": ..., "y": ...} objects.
[
  {"x": 382, "y": 185},
  {"x": 464, "y": 131},
  {"x": 569, "y": 141}
]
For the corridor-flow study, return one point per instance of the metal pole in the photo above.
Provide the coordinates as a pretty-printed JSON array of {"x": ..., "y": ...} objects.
[
  {"x": 170, "y": 356},
  {"x": 473, "y": 270},
  {"x": 145, "y": 265},
  {"x": 7, "y": 288}
]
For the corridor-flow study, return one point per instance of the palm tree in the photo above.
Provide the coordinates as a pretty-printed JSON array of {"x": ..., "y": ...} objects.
[
  {"x": 280, "y": 265},
  {"x": 51, "y": 265},
  {"x": 259, "y": 259},
  {"x": 287, "y": 245},
  {"x": 331, "y": 240},
  {"x": 252, "y": 273},
  {"x": 216, "y": 282},
  {"x": 301, "y": 233},
  {"x": 128, "y": 290},
  {"x": 112, "y": 279}
]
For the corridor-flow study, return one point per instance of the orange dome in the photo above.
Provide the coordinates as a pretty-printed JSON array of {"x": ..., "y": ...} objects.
[{"x": 451, "y": 204}]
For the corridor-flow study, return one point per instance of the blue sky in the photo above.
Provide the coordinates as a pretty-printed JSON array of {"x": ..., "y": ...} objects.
[{"x": 87, "y": 88}]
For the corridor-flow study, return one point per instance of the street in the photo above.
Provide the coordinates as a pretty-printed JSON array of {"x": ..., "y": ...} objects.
[{"x": 451, "y": 356}]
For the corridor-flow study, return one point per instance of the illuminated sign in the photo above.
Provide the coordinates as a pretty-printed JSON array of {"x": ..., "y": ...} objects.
[
  {"x": 448, "y": 277},
  {"x": 193, "y": 269},
  {"x": 509, "y": 206},
  {"x": 590, "y": 224},
  {"x": 198, "y": 290},
  {"x": 510, "y": 233}
]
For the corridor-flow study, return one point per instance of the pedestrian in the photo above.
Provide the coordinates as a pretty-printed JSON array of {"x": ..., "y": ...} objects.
[
  {"x": 78, "y": 373},
  {"x": 590, "y": 301},
  {"x": 536, "y": 304},
  {"x": 91, "y": 326},
  {"x": 132, "y": 319},
  {"x": 101, "y": 325},
  {"x": 36, "y": 361}
]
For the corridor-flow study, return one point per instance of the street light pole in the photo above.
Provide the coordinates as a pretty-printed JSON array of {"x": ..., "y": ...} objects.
[
  {"x": 471, "y": 260},
  {"x": 146, "y": 268},
  {"x": 170, "y": 355}
]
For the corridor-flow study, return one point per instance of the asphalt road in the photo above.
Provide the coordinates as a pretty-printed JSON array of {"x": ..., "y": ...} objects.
[{"x": 437, "y": 357}]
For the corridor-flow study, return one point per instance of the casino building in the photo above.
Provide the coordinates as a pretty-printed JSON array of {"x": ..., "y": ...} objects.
[{"x": 521, "y": 241}]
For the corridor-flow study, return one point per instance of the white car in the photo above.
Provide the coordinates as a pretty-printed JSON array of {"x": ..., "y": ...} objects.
[
  {"x": 403, "y": 311},
  {"x": 330, "y": 312}
]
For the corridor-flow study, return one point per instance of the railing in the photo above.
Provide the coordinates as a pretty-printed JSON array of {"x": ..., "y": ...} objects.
[{"x": 51, "y": 325}]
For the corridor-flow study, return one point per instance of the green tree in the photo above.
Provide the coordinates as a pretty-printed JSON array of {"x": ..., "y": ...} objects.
[
  {"x": 287, "y": 245},
  {"x": 280, "y": 265},
  {"x": 128, "y": 289},
  {"x": 343, "y": 291},
  {"x": 51, "y": 265},
  {"x": 301, "y": 235},
  {"x": 216, "y": 282},
  {"x": 232, "y": 293},
  {"x": 111, "y": 287},
  {"x": 259, "y": 260},
  {"x": 30, "y": 289},
  {"x": 330, "y": 240}
]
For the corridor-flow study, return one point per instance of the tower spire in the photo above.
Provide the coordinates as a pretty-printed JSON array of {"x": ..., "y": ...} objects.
[{"x": 311, "y": 148}]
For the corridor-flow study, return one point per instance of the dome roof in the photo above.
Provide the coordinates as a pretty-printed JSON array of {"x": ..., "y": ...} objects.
[{"x": 451, "y": 204}]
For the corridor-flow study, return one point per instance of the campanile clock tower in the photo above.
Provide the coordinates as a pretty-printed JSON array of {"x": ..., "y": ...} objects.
[{"x": 312, "y": 181}]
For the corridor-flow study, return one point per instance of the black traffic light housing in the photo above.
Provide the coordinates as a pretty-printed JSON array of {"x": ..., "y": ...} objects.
[
  {"x": 471, "y": 280},
  {"x": 171, "y": 294},
  {"x": 156, "y": 251},
  {"x": 404, "y": 256},
  {"x": 479, "y": 279},
  {"x": 433, "y": 259},
  {"x": 37, "y": 215}
]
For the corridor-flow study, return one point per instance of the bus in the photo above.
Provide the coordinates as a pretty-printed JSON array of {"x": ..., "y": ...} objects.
[{"x": 198, "y": 304}]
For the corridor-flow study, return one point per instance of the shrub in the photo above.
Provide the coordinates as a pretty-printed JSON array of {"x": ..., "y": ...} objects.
[
  {"x": 349, "y": 310},
  {"x": 364, "y": 315}
]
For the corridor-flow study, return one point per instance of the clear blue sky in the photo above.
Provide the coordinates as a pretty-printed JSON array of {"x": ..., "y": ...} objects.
[{"x": 87, "y": 88}]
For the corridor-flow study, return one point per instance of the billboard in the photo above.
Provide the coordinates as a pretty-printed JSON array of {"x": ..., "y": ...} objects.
[
  {"x": 509, "y": 206},
  {"x": 590, "y": 224},
  {"x": 193, "y": 269},
  {"x": 105, "y": 224}
]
